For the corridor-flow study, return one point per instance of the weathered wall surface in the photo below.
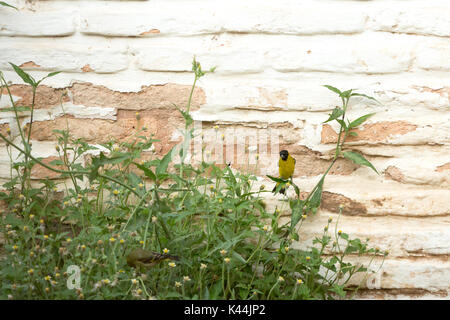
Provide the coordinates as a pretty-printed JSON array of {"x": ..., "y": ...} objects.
[{"x": 272, "y": 57}]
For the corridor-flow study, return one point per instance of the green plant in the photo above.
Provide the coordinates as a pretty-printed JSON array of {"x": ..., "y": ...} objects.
[
  {"x": 230, "y": 246},
  {"x": 4, "y": 4},
  {"x": 312, "y": 202}
]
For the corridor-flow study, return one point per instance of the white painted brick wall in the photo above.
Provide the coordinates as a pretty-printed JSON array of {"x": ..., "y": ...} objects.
[{"x": 276, "y": 55}]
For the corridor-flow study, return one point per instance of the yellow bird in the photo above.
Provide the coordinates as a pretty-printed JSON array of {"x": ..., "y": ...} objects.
[{"x": 286, "y": 166}]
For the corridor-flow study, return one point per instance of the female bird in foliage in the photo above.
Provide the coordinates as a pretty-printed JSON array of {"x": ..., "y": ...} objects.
[
  {"x": 143, "y": 258},
  {"x": 286, "y": 166}
]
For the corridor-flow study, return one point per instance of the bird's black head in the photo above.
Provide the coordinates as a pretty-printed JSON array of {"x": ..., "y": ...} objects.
[{"x": 284, "y": 154}]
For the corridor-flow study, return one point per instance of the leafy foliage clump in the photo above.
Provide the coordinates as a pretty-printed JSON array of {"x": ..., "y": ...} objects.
[{"x": 229, "y": 245}]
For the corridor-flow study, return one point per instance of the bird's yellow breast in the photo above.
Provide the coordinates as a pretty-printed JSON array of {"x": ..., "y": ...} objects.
[{"x": 286, "y": 168}]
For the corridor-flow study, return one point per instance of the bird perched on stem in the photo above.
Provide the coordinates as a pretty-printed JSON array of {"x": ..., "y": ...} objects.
[
  {"x": 143, "y": 258},
  {"x": 286, "y": 166}
]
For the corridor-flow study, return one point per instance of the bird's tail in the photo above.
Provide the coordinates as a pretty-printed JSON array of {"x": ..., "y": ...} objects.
[
  {"x": 282, "y": 190},
  {"x": 171, "y": 257}
]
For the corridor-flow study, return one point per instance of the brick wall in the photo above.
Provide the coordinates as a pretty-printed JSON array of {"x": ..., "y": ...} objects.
[{"x": 272, "y": 57}]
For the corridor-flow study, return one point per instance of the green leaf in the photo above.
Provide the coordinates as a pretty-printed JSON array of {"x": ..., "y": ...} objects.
[
  {"x": 342, "y": 123},
  {"x": 7, "y": 5},
  {"x": 277, "y": 179},
  {"x": 149, "y": 173},
  {"x": 297, "y": 190},
  {"x": 51, "y": 74},
  {"x": 346, "y": 94},
  {"x": 25, "y": 76},
  {"x": 339, "y": 290},
  {"x": 164, "y": 163},
  {"x": 187, "y": 117},
  {"x": 359, "y": 159},
  {"x": 336, "y": 113},
  {"x": 206, "y": 295},
  {"x": 316, "y": 198},
  {"x": 237, "y": 256},
  {"x": 359, "y": 121},
  {"x": 335, "y": 90},
  {"x": 296, "y": 215},
  {"x": 364, "y": 95}
]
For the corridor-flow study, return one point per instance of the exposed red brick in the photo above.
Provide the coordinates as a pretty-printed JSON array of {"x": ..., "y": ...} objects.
[
  {"x": 151, "y": 31},
  {"x": 159, "y": 122},
  {"x": 4, "y": 131},
  {"x": 444, "y": 91},
  {"x": 40, "y": 172},
  {"x": 373, "y": 132},
  {"x": 150, "y": 97},
  {"x": 394, "y": 173},
  {"x": 443, "y": 167},
  {"x": 269, "y": 98},
  {"x": 46, "y": 97},
  {"x": 331, "y": 202},
  {"x": 29, "y": 64},
  {"x": 87, "y": 68}
]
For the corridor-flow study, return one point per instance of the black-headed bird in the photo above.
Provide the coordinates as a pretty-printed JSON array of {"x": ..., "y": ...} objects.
[
  {"x": 143, "y": 258},
  {"x": 286, "y": 166}
]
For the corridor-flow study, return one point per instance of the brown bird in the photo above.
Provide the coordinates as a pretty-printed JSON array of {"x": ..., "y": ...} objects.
[{"x": 144, "y": 258}]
